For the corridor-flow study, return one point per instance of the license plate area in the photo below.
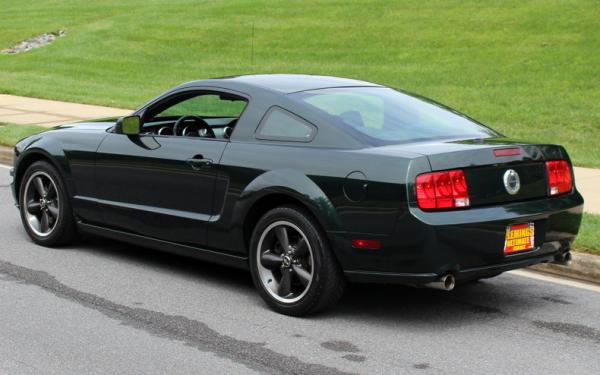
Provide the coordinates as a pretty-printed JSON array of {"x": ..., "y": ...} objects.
[{"x": 519, "y": 238}]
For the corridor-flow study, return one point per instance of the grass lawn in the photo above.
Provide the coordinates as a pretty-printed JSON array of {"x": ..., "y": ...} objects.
[
  {"x": 530, "y": 69},
  {"x": 589, "y": 235},
  {"x": 12, "y": 133}
]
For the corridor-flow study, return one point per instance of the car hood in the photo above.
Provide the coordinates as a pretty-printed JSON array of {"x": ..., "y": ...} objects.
[
  {"x": 92, "y": 126},
  {"x": 99, "y": 124}
]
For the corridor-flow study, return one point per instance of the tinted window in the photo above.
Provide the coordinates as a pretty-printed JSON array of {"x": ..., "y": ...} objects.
[
  {"x": 390, "y": 116},
  {"x": 207, "y": 105},
  {"x": 282, "y": 125}
]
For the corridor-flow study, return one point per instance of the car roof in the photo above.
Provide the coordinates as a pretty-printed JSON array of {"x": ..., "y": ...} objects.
[{"x": 287, "y": 83}]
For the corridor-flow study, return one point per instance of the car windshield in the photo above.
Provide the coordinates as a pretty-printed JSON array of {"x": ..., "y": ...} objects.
[{"x": 387, "y": 116}]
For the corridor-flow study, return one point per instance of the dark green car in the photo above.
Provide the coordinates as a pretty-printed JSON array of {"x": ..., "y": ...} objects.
[{"x": 308, "y": 182}]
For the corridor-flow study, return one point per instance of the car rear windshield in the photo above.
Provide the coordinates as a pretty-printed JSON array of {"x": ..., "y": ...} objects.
[{"x": 387, "y": 116}]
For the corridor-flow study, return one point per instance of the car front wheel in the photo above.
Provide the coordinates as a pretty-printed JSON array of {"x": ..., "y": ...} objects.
[
  {"x": 292, "y": 266},
  {"x": 44, "y": 205}
]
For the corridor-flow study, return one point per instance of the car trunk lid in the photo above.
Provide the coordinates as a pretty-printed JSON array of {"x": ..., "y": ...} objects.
[{"x": 486, "y": 163}]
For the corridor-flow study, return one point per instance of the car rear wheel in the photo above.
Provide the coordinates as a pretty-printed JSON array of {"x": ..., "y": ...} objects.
[
  {"x": 45, "y": 209},
  {"x": 292, "y": 266}
]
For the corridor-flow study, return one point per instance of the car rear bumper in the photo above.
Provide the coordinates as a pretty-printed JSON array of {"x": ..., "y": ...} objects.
[
  {"x": 468, "y": 244},
  {"x": 464, "y": 274}
]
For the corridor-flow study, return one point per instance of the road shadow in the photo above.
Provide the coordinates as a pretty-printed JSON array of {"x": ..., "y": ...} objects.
[
  {"x": 428, "y": 309},
  {"x": 376, "y": 303},
  {"x": 186, "y": 267}
]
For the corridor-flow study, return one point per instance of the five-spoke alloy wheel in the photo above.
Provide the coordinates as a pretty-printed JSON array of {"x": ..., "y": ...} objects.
[
  {"x": 41, "y": 203},
  {"x": 285, "y": 261},
  {"x": 291, "y": 263},
  {"x": 45, "y": 209}
]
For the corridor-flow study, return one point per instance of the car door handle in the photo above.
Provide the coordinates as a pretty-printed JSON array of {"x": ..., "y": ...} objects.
[{"x": 198, "y": 162}]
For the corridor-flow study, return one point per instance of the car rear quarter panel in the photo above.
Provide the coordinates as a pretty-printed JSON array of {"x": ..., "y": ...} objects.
[
  {"x": 454, "y": 240},
  {"x": 316, "y": 177}
]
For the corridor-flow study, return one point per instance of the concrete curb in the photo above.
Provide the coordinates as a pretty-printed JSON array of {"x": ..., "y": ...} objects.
[
  {"x": 583, "y": 266},
  {"x": 6, "y": 155}
]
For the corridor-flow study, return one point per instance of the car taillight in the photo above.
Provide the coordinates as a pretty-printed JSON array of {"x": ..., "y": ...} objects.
[
  {"x": 559, "y": 177},
  {"x": 442, "y": 190}
]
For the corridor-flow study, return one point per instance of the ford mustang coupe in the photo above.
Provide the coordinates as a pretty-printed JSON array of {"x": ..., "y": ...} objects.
[{"x": 308, "y": 182}]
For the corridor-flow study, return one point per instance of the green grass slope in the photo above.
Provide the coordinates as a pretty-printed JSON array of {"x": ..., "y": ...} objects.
[
  {"x": 588, "y": 239},
  {"x": 530, "y": 69},
  {"x": 10, "y": 134}
]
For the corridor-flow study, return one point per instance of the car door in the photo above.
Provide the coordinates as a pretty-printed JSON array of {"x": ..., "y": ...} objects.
[{"x": 161, "y": 186}]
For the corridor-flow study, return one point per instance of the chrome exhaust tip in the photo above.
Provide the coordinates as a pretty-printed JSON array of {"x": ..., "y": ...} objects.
[
  {"x": 567, "y": 259},
  {"x": 563, "y": 259},
  {"x": 446, "y": 282}
]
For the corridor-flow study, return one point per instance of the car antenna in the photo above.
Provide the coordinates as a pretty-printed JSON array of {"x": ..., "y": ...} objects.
[{"x": 252, "y": 49}]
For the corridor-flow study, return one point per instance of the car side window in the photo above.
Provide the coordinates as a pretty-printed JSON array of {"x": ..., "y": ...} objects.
[
  {"x": 281, "y": 125},
  {"x": 207, "y": 105}
]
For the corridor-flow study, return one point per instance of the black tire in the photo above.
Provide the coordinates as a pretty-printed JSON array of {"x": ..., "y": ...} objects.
[
  {"x": 62, "y": 230},
  {"x": 327, "y": 283}
]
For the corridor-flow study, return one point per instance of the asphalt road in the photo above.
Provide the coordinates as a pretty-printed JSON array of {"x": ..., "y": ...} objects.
[{"x": 106, "y": 307}]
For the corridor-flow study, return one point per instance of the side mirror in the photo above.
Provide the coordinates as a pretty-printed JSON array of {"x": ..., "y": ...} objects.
[{"x": 131, "y": 125}]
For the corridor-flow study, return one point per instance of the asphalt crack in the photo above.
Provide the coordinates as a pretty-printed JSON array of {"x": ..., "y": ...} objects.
[
  {"x": 175, "y": 327},
  {"x": 355, "y": 357},
  {"x": 340, "y": 346},
  {"x": 345, "y": 346},
  {"x": 570, "y": 329},
  {"x": 557, "y": 300}
]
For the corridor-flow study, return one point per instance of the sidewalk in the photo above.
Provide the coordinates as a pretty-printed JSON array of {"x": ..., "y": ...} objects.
[
  {"x": 22, "y": 110},
  {"x": 588, "y": 184}
]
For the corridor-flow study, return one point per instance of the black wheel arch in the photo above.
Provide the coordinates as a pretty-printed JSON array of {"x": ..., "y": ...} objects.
[
  {"x": 273, "y": 198},
  {"x": 27, "y": 158}
]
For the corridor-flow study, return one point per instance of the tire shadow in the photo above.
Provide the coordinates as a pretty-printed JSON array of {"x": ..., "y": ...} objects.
[
  {"x": 186, "y": 267},
  {"x": 374, "y": 303}
]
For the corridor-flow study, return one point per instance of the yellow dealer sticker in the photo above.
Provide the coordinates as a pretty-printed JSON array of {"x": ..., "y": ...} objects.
[{"x": 519, "y": 237}]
